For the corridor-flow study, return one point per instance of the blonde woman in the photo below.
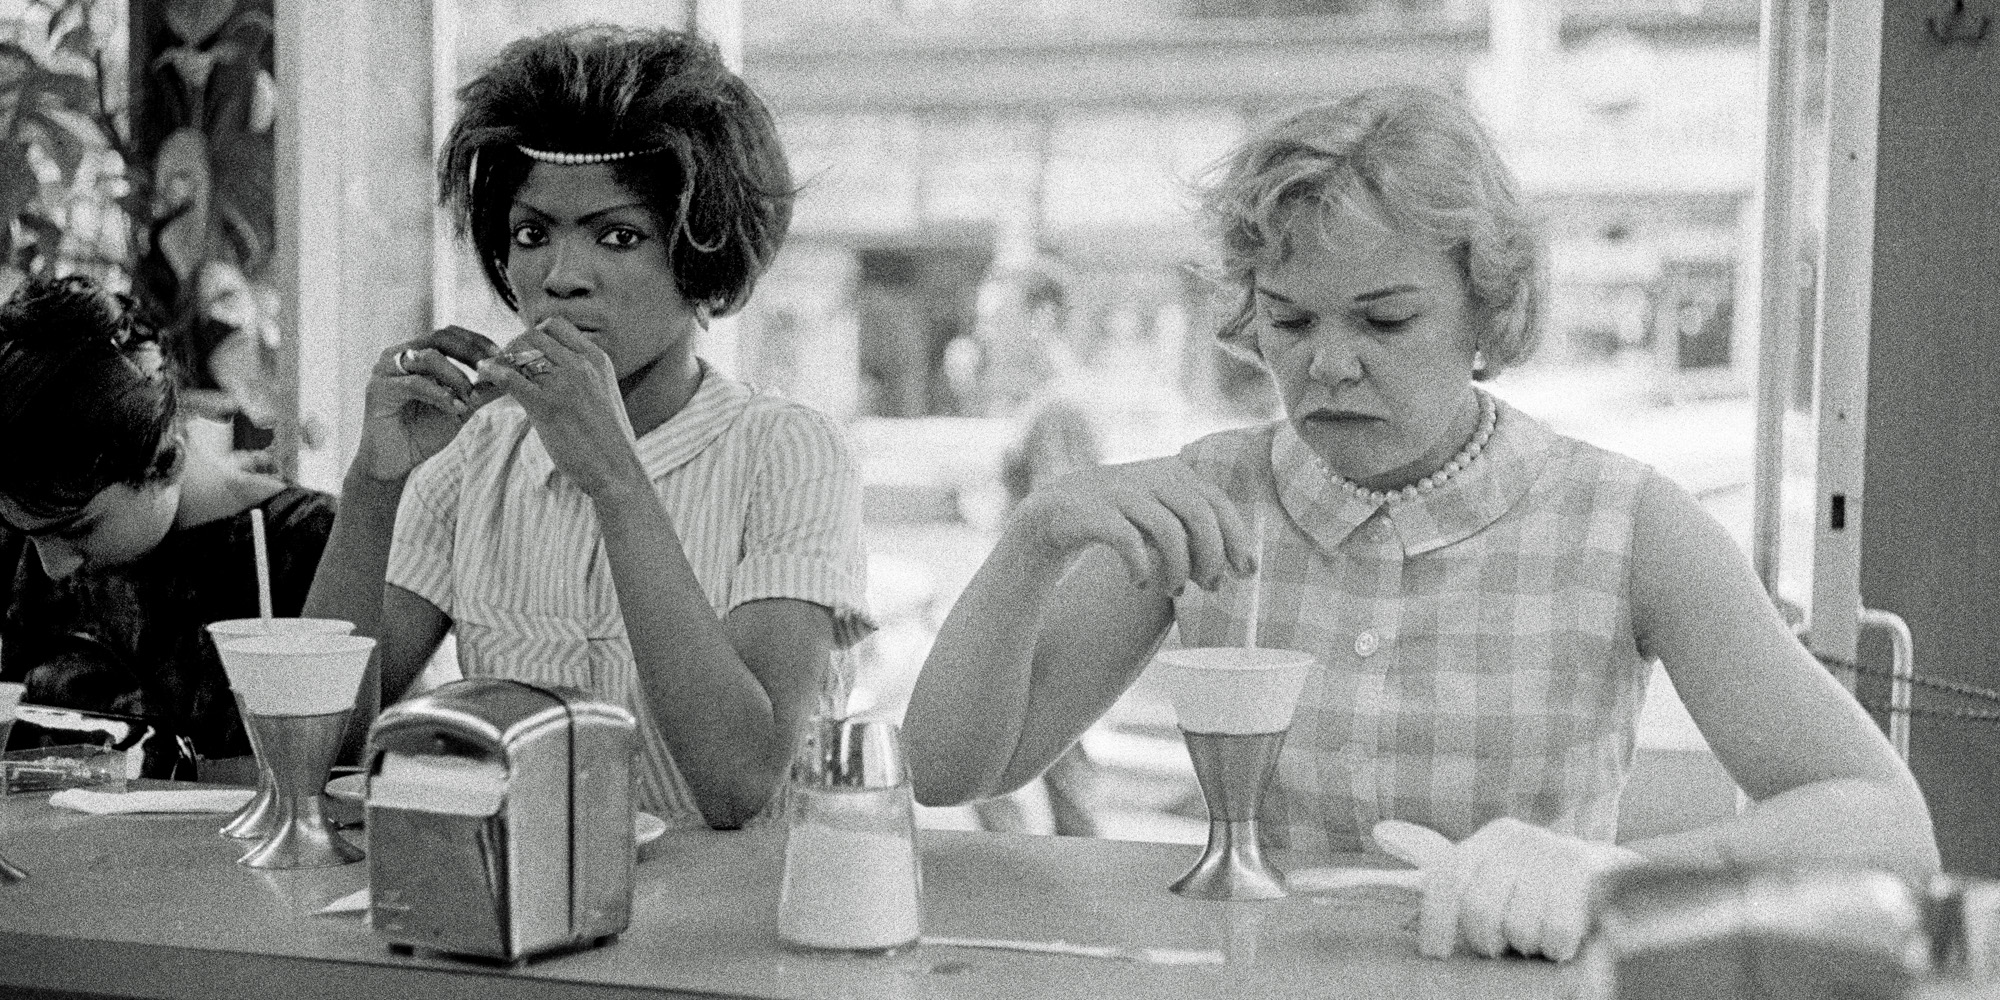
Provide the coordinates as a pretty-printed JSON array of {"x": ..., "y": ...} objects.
[{"x": 1485, "y": 597}]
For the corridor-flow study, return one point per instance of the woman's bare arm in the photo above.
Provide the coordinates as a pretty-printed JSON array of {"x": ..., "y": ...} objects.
[
  {"x": 349, "y": 586},
  {"x": 1060, "y": 619},
  {"x": 1827, "y": 785},
  {"x": 730, "y": 695},
  {"x": 416, "y": 403},
  {"x": 1029, "y": 657}
]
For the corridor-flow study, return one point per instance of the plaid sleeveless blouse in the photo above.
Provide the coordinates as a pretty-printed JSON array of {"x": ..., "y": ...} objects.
[{"x": 1475, "y": 642}]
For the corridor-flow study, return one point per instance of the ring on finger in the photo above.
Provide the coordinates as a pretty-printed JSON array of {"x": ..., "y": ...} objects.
[
  {"x": 538, "y": 366},
  {"x": 403, "y": 359}
]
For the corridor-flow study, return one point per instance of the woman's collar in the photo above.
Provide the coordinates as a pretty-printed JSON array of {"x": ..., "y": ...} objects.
[
  {"x": 1475, "y": 497},
  {"x": 715, "y": 405}
]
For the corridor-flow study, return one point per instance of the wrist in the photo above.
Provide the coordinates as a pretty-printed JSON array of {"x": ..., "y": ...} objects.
[
  {"x": 619, "y": 501},
  {"x": 372, "y": 465},
  {"x": 1606, "y": 857},
  {"x": 609, "y": 476},
  {"x": 365, "y": 480}
]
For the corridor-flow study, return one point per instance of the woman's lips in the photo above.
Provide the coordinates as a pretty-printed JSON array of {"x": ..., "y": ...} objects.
[
  {"x": 582, "y": 325},
  {"x": 1341, "y": 417}
]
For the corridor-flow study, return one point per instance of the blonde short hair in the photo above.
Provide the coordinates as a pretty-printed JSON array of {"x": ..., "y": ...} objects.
[{"x": 1412, "y": 159}]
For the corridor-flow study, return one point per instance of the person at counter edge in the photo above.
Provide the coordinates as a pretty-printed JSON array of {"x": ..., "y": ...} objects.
[
  {"x": 121, "y": 539},
  {"x": 1485, "y": 597}
]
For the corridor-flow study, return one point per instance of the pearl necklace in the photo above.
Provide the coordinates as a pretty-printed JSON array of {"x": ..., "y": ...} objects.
[{"x": 1465, "y": 457}]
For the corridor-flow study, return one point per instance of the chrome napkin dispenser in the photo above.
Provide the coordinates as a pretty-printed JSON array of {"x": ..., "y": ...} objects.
[{"x": 499, "y": 820}]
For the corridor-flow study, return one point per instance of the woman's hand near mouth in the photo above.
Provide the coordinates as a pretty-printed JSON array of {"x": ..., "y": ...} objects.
[
  {"x": 417, "y": 399},
  {"x": 575, "y": 406}
]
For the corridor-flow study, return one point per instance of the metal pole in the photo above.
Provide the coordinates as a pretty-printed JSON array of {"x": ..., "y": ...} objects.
[
  {"x": 1902, "y": 673},
  {"x": 308, "y": 186},
  {"x": 1778, "y": 325},
  {"x": 1846, "y": 295}
]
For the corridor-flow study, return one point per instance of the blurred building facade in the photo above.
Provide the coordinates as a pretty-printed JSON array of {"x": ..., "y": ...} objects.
[{"x": 938, "y": 139}]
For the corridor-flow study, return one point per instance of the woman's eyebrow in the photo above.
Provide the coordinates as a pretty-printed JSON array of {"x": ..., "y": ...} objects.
[
  {"x": 1383, "y": 293},
  {"x": 586, "y": 218},
  {"x": 1364, "y": 297}
]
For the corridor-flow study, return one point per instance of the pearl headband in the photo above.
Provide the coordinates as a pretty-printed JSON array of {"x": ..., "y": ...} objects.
[
  {"x": 579, "y": 159},
  {"x": 559, "y": 159}
]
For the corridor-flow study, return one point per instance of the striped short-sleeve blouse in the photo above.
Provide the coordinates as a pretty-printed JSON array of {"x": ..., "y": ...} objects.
[
  {"x": 1475, "y": 645},
  {"x": 762, "y": 491}
]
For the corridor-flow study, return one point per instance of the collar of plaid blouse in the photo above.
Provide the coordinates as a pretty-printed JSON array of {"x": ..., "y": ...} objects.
[{"x": 1483, "y": 489}]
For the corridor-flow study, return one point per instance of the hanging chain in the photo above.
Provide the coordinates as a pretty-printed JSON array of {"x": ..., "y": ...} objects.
[{"x": 1974, "y": 692}]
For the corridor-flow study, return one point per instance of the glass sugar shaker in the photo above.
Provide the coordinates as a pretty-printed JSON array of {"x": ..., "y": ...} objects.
[{"x": 852, "y": 880}]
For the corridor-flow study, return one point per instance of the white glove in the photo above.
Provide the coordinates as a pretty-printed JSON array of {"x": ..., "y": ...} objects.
[{"x": 1512, "y": 884}]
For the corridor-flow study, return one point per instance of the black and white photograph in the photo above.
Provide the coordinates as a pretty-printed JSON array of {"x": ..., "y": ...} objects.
[{"x": 1030, "y": 499}]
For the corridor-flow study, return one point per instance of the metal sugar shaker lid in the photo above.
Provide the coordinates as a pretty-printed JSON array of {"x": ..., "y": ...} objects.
[{"x": 852, "y": 753}]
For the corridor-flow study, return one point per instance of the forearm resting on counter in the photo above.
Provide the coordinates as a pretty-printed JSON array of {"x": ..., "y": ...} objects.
[{"x": 1845, "y": 822}]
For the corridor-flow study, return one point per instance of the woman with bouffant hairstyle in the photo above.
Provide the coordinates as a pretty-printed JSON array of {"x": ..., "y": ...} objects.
[
  {"x": 119, "y": 541},
  {"x": 597, "y": 507},
  {"x": 713, "y": 171}
]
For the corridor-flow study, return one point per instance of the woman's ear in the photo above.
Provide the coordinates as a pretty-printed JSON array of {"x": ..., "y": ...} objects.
[
  {"x": 168, "y": 460},
  {"x": 1496, "y": 331}
]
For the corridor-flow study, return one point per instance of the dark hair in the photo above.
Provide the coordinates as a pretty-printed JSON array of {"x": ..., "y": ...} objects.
[
  {"x": 717, "y": 177},
  {"x": 1040, "y": 289},
  {"x": 77, "y": 415}
]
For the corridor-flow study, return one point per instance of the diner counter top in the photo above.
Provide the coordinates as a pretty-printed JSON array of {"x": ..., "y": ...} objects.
[{"x": 155, "y": 905}]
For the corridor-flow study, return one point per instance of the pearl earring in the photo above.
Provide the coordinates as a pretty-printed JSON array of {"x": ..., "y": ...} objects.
[{"x": 1478, "y": 360}]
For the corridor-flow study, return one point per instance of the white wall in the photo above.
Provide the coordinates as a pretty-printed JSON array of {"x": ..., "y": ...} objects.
[{"x": 353, "y": 192}]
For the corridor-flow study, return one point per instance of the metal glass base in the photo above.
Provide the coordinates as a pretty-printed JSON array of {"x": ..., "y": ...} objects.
[
  {"x": 1233, "y": 866},
  {"x": 1233, "y": 770},
  {"x": 258, "y": 817},
  {"x": 299, "y": 751},
  {"x": 305, "y": 841}
]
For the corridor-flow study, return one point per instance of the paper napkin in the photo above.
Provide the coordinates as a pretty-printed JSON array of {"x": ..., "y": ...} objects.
[
  {"x": 353, "y": 902},
  {"x": 198, "y": 800}
]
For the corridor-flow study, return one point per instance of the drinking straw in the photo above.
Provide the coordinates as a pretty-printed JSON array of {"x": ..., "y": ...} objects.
[
  {"x": 263, "y": 562},
  {"x": 1256, "y": 588}
]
